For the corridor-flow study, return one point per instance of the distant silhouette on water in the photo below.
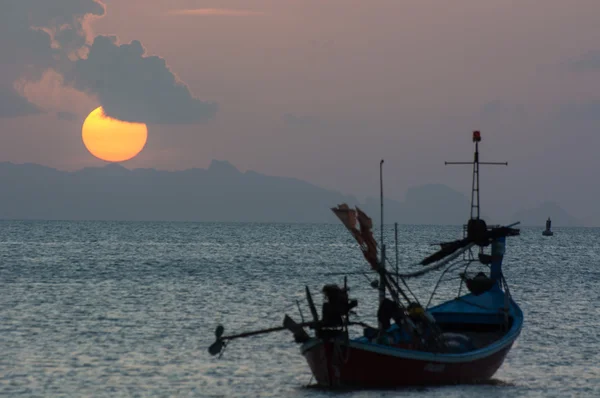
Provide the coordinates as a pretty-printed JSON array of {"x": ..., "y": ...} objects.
[{"x": 547, "y": 231}]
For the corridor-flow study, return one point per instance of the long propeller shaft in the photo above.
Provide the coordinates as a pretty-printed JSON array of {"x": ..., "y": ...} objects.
[{"x": 263, "y": 331}]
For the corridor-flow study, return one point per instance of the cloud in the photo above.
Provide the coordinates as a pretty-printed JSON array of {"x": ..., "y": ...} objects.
[
  {"x": 588, "y": 61},
  {"x": 222, "y": 12},
  {"x": 51, "y": 94},
  {"x": 134, "y": 87},
  {"x": 12, "y": 104},
  {"x": 37, "y": 34},
  {"x": 41, "y": 36},
  {"x": 57, "y": 13},
  {"x": 33, "y": 39}
]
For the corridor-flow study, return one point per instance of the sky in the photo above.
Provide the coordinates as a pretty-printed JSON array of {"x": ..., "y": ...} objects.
[{"x": 318, "y": 90}]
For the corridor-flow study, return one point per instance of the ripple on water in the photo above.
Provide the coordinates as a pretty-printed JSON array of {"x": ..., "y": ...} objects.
[{"x": 110, "y": 308}]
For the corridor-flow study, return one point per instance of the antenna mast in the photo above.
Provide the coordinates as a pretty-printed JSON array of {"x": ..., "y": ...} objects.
[
  {"x": 475, "y": 208},
  {"x": 382, "y": 263}
]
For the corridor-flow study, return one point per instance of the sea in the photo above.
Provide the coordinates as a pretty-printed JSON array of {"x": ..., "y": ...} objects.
[{"x": 129, "y": 308}]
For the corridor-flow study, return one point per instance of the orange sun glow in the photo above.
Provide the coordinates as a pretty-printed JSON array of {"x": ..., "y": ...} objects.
[{"x": 112, "y": 140}]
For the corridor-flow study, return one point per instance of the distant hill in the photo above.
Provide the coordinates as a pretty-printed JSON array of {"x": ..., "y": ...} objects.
[
  {"x": 537, "y": 216},
  {"x": 434, "y": 204},
  {"x": 219, "y": 193}
]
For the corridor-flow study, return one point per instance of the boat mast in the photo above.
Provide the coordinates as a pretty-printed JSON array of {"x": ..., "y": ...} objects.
[
  {"x": 396, "y": 245},
  {"x": 475, "y": 184},
  {"x": 382, "y": 281},
  {"x": 475, "y": 208}
]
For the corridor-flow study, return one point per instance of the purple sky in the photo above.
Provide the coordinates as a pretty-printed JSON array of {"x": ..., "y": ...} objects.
[{"x": 319, "y": 90}]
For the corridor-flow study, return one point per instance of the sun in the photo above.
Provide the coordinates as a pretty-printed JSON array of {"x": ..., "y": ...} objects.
[{"x": 112, "y": 140}]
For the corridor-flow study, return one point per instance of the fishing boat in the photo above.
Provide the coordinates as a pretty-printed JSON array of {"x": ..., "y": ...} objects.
[
  {"x": 461, "y": 340},
  {"x": 548, "y": 231}
]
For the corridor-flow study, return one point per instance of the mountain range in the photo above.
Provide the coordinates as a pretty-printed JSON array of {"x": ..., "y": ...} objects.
[
  {"x": 219, "y": 193},
  {"x": 537, "y": 216}
]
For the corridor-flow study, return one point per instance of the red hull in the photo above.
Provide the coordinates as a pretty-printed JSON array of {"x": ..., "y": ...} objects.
[{"x": 359, "y": 365}]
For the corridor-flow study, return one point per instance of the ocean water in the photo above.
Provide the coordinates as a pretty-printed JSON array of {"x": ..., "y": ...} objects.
[{"x": 129, "y": 309}]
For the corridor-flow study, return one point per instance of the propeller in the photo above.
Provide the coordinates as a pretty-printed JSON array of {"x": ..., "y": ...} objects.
[{"x": 216, "y": 347}]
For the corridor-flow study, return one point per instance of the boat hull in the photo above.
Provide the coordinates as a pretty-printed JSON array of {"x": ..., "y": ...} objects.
[{"x": 335, "y": 364}]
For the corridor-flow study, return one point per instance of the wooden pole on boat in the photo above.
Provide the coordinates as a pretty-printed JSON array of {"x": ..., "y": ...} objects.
[
  {"x": 381, "y": 198},
  {"x": 396, "y": 244},
  {"x": 382, "y": 263}
]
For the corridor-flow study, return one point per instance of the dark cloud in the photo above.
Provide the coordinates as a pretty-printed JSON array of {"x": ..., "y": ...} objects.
[
  {"x": 66, "y": 20},
  {"x": 56, "y": 13},
  {"x": 134, "y": 87},
  {"x": 588, "y": 61},
  {"x": 21, "y": 45},
  {"x": 27, "y": 31},
  {"x": 12, "y": 104},
  {"x": 38, "y": 35}
]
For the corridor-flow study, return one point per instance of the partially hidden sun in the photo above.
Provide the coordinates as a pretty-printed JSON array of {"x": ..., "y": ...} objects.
[{"x": 112, "y": 140}]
